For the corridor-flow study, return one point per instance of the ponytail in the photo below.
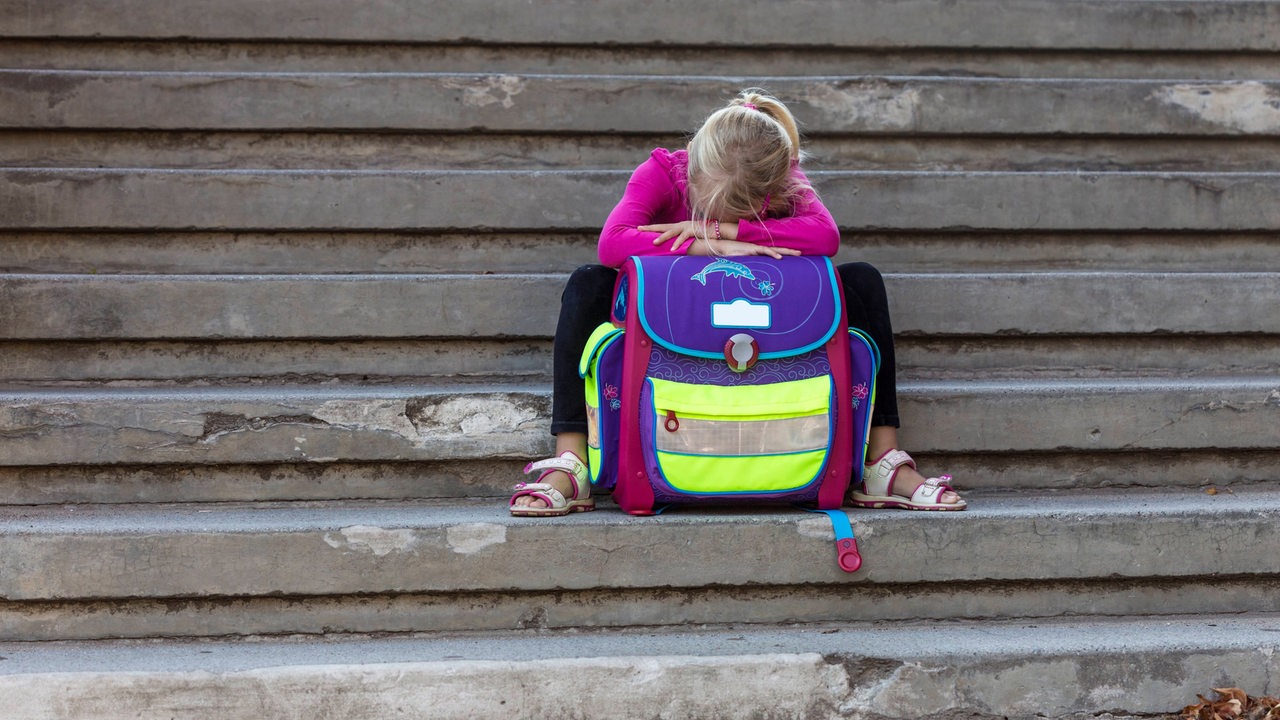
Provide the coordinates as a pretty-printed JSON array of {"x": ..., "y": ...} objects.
[{"x": 757, "y": 99}]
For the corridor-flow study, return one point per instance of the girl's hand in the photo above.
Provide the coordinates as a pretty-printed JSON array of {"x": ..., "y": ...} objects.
[
  {"x": 734, "y": 248},
  {"x": 681, "y": 232}
]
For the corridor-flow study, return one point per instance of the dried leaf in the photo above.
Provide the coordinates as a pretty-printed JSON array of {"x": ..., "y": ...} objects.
[
  {"x": 1236, "y": 694},
  {"x": 1232, "y": 704}
]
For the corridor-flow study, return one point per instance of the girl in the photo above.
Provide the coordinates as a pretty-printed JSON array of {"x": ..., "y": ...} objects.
[{"x": 736, "y": 190}]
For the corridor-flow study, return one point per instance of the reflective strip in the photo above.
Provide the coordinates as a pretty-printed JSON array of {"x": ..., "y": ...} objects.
[
  {"x": 784, "y": 399},
  {"x": 729, "y": 438},
  {"x": 730, "y": 475}
]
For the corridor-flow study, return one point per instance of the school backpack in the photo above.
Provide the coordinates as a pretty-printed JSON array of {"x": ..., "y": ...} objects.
[{"x": 728, "y": 381}]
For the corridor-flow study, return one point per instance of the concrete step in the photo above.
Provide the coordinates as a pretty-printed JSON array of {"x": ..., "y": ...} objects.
[
  {"x": 234, "y": 307},
  {"x": 163, "y": 363},
  {"x": 398, "y": 361},
  {"x": 1221, "y": 470},
  {"x": 555, "y": 253},
  {"x": 454, "y": 151},
  {"x": 340, "y": 480},
  {"x": 449, "y": 421},
  {"x": 247, "y": 363},
  {"x": 526, "y": 103},
  {"x": 1017, "y": 670},
  {"x": 1038, "y": 24},
  {"x": 85, "y": 571},
  {"x": 88, "y": 199},
  {"x": 761, "y": 60}
]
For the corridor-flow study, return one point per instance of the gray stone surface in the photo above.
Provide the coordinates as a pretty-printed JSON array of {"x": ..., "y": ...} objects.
[
  {"x": 280, "y": 362},
  {"x": 453, "y": 151},
  {"x": 233, "y": 307},
  {"x": 281, "y": 306},
  {"x": 1012, "y": 670},
  {"x": 83, "y": 199},
  {"x": 525, "y": 103},
  {"x": 492, "y": 477},
  {"x": 253, "y": 425},
  {"x": 555, "y": 253},
  {"x": 238, "y": 55},
  {"x": 83, "y": 552},
  {"x": 1038, "y": 24},
  {"x": 354, "y": 480},
  {"x": 407, "y": 361},
  {"x": 634, "y": 608},
  {"x": 431, "y": 422}
]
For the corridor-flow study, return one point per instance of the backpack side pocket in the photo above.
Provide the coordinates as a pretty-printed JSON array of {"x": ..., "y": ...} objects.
[{"x": 601, "y": 371}]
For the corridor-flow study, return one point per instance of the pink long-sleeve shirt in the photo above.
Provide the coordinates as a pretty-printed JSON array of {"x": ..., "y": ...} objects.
[{"x": 658, "y": 193}]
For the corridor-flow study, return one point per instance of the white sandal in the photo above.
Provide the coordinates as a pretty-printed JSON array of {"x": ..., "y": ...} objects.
[
  {"x": 557, "y": 504},
  {"x": 877, "y": 487}
]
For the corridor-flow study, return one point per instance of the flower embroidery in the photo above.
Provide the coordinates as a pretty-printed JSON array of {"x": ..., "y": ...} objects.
[
  {"x": 860, "y": 392},
  {"x": 615, "y": 404},
  {"x": 765, "y": 287},
  {"x": 610, "y": 392}
]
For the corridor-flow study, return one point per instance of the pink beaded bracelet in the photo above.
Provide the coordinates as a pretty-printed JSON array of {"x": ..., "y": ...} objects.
[{"x": 716, "y": 224}]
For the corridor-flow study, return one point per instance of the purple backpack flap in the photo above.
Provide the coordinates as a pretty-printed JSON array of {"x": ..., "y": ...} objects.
[{"x": 737, "y": 384}]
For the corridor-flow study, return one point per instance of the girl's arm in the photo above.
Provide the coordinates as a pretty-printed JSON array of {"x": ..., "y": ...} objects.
[{"x": 649, "y": 192}]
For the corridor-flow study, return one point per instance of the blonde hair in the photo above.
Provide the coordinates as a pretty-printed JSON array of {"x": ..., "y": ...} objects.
[{"x": 743, "y": 157}]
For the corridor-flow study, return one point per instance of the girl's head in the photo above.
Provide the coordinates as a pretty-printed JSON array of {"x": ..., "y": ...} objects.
[{"x": 741, "y": 160}]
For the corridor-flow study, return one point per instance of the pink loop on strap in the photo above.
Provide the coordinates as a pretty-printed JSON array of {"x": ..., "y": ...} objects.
[{"x": 847, "y": 555}]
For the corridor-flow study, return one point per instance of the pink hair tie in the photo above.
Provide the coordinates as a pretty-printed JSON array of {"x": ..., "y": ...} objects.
[{"x": 749, "y": 106}]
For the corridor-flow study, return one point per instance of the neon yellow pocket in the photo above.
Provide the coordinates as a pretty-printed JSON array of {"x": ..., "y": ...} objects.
[{"x": 712, "y": 439}]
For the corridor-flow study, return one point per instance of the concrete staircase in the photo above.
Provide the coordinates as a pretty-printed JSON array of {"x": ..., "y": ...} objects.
[{"x": 278, "y": 285}]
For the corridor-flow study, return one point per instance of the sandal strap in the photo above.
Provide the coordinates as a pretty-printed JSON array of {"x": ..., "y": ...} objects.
[
  {"x": 569, "y": 463},
  {"x": 877, "y": 477},
  {"x": 896, "y": 458},
  {"x": 931, "y": 489},
  {"x": 553, "y": 497}
]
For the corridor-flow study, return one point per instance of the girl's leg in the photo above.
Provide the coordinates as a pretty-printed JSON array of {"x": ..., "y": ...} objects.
[
  {"x": 584, "y": 304},
  {"x": 867, "y": 308}
]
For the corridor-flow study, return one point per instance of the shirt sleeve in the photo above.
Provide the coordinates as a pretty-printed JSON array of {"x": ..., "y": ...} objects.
[
  {"x": 809, "y": 229},
  {"x": 649, "y": 192}
]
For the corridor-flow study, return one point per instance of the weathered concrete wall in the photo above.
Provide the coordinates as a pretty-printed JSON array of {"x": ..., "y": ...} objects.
[
  {"x": 422, "y": 423},
  {"x": 144, "y": 307},
  {"x": 592, "y": 104},
  {"x": 45, "y": 199},
  {"x": 873, "y": 674},
  {"x": 362, "y": 548},
  {"x": 1032, "y": 24}
]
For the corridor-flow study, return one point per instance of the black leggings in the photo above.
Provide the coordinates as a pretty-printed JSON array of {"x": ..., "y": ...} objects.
[{"x": 588, "y": 298}]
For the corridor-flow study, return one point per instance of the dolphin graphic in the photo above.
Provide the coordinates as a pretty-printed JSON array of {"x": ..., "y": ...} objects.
[{"x": 728, "y": 267}]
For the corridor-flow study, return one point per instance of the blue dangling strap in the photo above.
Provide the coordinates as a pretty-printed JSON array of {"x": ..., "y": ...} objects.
[{"x": 846, "y": 545}]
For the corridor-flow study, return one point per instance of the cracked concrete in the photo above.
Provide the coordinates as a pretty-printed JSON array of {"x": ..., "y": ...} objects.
[
  {"x": 489, "y": 90},
  {"x": 208, "y": 551},
  {"x": 1244, "y": 107},
  {"x": 217, "y": 424},
  {"x": 376, "y": 540},
  {"x": 393, "y": 423},
  {"x": 875, "y": 103},
  {"x": 1015, "y": 670}
]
